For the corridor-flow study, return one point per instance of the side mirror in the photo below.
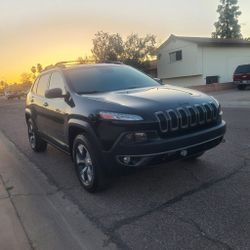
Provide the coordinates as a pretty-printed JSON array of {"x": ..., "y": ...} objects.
[
  {"x": 54, "y": 93},
  {"x": 158, "y": 80}
]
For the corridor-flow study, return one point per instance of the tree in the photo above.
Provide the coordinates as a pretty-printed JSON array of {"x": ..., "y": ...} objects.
[
  {"x": 135, "y": 50},
  {"x": 227, "y": 26},
  {"x": 26, "y": 78},
  {"x": 36, "y": 69},
  {"x": 107, "y": 47},
  {"x": 3, "y": 84},
  {"x": 33, "y": 70},
  {"x": 138, "y": 50},
  {"x": 86, "y": 60},
  {"x": 39, "y": 68}
]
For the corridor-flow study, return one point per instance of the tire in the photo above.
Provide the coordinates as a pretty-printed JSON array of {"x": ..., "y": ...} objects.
[
  {"x": 87, "y": 161},
  {"x": 194, "y": 157},
  {"x": 36, "y": 143},
  {"x": 241, "y": 87}
]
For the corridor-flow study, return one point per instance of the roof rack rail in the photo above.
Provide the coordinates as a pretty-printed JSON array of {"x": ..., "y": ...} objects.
[
  {"x": 113, "y": 62},
  {"x": 51, "y": 66},
  {"x": 64, "y": 64}
]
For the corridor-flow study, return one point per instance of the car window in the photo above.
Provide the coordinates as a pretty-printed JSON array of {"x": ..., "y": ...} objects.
[
  {"x": 243, "y": 69},
  {"x": 34, "y": 87},
  {"x": 107, "y": 78},
  {"x": 57, "y": 81},
  {"x": 43, "y": 84}
]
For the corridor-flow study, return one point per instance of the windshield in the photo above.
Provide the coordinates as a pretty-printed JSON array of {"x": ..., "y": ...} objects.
[
  {"x": 106, "y": 78},
  {"x": 243, "y": 69}
]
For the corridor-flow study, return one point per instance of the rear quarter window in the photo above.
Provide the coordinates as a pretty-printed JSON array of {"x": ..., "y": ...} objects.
[{"x": 34, "y": 87}]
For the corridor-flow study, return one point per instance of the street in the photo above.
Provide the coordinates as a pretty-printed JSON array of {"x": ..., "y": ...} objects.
[{"x": 203, "y": 204}]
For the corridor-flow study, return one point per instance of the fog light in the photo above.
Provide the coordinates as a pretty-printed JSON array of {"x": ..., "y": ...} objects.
[
  {"x": 184, "y": 153},
  {"x": 133, "y": 161},
  {"x": 126, "y": 159}
]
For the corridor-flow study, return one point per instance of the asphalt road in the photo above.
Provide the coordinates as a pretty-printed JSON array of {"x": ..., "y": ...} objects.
[{"x": 180, "y": 205}]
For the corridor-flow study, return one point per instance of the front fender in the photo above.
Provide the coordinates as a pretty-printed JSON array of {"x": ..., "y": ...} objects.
[{"x": 86, "y": 127}]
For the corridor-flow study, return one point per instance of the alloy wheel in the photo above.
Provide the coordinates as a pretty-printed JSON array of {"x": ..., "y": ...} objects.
[
  {"x": 32, "y": 136},
  {"x": 84, "y": 165}
]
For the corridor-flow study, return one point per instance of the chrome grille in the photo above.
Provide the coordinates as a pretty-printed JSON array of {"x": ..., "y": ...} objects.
[
  {"x": 163, "y": 121},
  {"x": 174, "y": 119},
  {"x": 186, "y": 117}
]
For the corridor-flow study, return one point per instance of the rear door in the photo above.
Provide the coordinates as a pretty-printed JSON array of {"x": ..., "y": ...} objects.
[{"x": 41, "y": 104}]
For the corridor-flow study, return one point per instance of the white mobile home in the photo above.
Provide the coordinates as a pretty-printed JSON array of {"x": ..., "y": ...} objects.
[{"x": 187, "y": 61}]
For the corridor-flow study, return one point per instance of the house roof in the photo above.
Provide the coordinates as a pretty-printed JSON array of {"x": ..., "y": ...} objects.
[{"x": 210, "y": 42}]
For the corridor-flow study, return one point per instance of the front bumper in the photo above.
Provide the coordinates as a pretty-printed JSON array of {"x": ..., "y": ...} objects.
[{"x": 166, "y": 149}]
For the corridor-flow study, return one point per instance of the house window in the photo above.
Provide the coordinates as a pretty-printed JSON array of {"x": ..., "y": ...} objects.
[{"x": 175, "y": 56}]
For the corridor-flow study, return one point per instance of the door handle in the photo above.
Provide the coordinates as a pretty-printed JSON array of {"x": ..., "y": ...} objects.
[
  {"x": 45, "y": 104},
  {"x": 32, "y": 99}
]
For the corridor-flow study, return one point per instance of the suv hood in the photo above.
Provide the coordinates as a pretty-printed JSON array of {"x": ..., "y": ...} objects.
[{"x": 153, "y": 98}]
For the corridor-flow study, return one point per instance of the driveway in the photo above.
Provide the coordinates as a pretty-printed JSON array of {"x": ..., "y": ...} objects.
[{"x": 234, "y": 98}]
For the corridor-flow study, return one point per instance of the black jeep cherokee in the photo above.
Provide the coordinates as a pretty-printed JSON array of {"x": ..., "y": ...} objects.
[{"x": 108, "y": 116}]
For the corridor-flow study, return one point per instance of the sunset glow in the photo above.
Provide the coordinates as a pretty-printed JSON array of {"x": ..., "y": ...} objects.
[{"x": 49, "y": 31}]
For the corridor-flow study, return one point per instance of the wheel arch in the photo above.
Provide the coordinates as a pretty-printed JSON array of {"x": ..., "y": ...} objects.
[
  {"x": 28, "y": 114},
  {"x": 76, "y": 127}
]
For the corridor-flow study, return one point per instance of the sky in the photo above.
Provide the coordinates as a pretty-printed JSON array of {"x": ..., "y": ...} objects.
[{"x": 48, "y": 31}]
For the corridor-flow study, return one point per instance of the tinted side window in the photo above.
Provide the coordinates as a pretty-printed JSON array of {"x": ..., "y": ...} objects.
[
  {"x": 57, "y": 81},
  {"x": 43, "y": 84}
]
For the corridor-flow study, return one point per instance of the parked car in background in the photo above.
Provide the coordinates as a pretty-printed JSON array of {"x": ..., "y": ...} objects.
[
  {"x": 16, "y": 90},
  {"x": 11, "y": 94},
  {"x": 242, "y": 76}
]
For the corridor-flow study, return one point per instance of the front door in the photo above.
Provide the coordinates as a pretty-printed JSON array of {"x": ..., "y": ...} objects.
[{"x": 57, "y": 112}]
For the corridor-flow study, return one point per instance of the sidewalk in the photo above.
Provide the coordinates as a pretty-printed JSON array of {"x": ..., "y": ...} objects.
[
  {"x": 12, "y": 235},
  {"x": 34, "y": 214}
]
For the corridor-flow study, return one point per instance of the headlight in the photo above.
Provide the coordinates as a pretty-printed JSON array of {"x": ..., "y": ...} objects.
[
  {"x": 216, "y": 101},
  {"x": 218, "y": 104},
  {"x": 220, "y": 110},
  {"x": 119, "y": 116}
]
